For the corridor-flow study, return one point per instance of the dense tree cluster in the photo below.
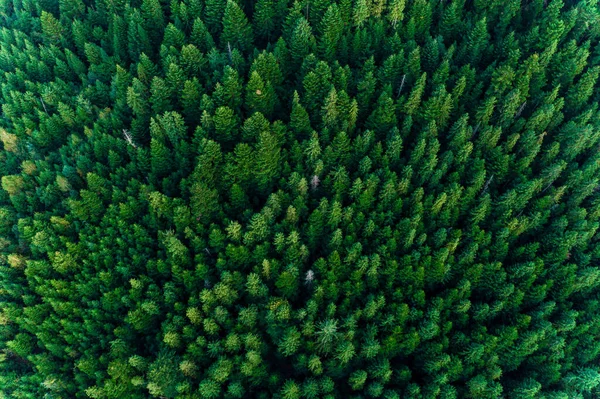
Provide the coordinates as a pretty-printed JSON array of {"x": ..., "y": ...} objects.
[{"x": 292, "y": 199}]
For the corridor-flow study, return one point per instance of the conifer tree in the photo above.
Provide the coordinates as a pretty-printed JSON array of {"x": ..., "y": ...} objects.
[
  {"x": 299, "y": 119},
  {"x": 361, "y": 13},
  {"x": 237, "y": 32},
  {"x": 267, "y": 161},
  {"x": 395, "y": 12},
  {"x": 332, "y": 30},
  {"x": 213, "y": 15},
  {"x": 201, "y": 37},
  {"x": 137, "y": 36},
  {"x": 302, "y": 41},
  {"x": 154, "y": 19},
  {"x": 161, "y": 164},
  {"x": 260, "y": 97},
  {"x": 51, "y": 28},
  {"x": 264, "y": 19}
]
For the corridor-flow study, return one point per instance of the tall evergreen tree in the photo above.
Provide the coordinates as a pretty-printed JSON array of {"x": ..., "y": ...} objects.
[
  {"x": 237, "y": 32},
  {"x": 302, "y": 41}
]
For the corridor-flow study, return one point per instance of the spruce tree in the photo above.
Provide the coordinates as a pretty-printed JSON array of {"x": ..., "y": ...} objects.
[
  {"x": 237, "y": 32},
  {"x": 302, "y": 41}
]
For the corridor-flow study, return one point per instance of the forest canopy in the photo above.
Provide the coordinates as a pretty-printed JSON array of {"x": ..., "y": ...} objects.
[{"x": 289, "y": 199}]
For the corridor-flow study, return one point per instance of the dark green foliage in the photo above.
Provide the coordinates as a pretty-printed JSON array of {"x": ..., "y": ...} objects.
[
  {"x": 299, "y": 199},
  {"x": 237, "y": 32}
]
